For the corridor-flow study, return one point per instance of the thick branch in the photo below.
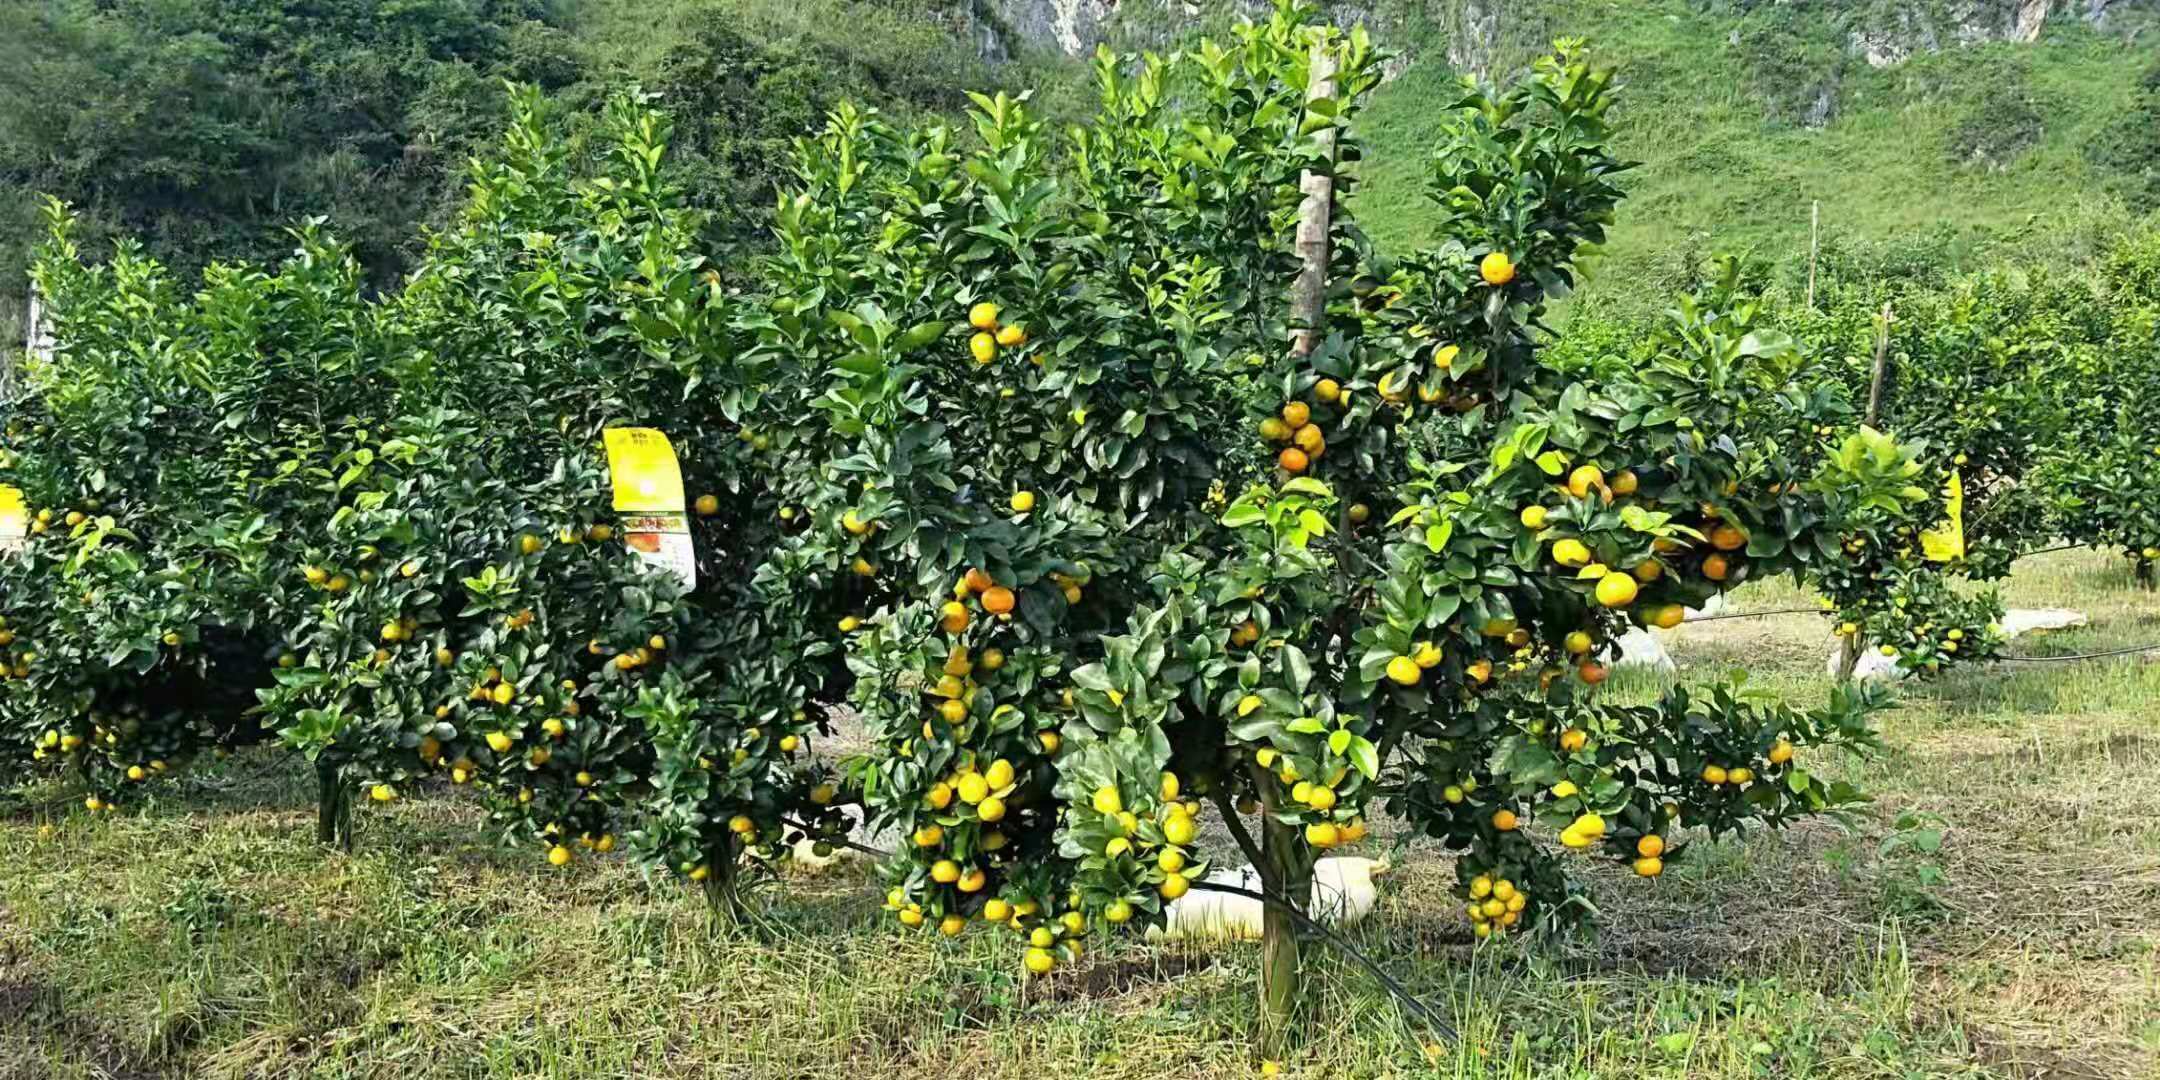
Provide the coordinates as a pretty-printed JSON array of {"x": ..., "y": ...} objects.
[{"x": 1236, "y": 825}]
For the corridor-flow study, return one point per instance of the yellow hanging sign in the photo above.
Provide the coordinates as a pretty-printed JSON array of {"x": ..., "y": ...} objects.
[
  {"x": 1946, "y": 542},
  {"x": 14, "y": 520},
  {"x": 647, "y": 478}
]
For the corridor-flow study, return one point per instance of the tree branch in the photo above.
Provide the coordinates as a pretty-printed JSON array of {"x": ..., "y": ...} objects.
[{"x": 1236, "y": 825}]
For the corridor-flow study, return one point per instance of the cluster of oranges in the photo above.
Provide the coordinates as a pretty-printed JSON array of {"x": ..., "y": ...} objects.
[
  {"x": 1649, "y": 855},
  {"x": 1495, "y": 905},
  {"x": 1295, "y": 426},
  {"x": 1318, "y": 796},
  {"x": 1409, "y": 670},
  {"x": 989, "y": 336},
  {"x": 17, "y": 665},
  {"x": 1179, "y": 829}
]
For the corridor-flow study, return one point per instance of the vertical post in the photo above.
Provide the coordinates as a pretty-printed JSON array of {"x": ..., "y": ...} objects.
[
  {"x": 1814, "y": 248},
  {"x": 1308, "y": 299},
  {"x": 1849, "y": 647},
  {"x": 1285, "y": 862},
  {"x": 1882, "y": 358}
]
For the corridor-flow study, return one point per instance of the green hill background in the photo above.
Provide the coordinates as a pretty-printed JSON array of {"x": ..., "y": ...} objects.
[{"x": 205, "y": 127}]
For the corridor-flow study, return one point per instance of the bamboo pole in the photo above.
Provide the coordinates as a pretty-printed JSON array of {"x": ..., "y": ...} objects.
[{"x": 1308, "y": 298}]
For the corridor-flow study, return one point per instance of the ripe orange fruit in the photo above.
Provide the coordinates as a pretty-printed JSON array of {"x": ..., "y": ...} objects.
[
  {"x": 1504, "y": 820},
  {"x": 1327, "y": 390},
  {"x": 997, "y": 600},
  {"x": 1297, "y": 414},
  {"x": 1310, "y": 440},
  {"x": 1584, "y": 479},
  {"x": 1648, "y": 570},
  {"x": 977, "y": 579},
  {"x": 1727, "y": 538},
  {"x": 983, "y": 347},
  {"x": 1274, "y": 430},
  {"x": 1405, "y": 671},
  {"x": 1293, "y": 460},
  {"x": 1443, "y": 357},
  {"x": 1533, "y": 517},
  {"x": 708, "y": 505},
  {"x": 1625, "y": 482},
  {"x": 983, "y": 316},
  {"x": 1667, "y": 616},
  {"x": 1496, "y": 268},
  {"x": 1716, "y": 568},
  {"x": 1012, "y": 336},
  {"x": 1592, "y": 672},
  {"x": 1650, "y": 846},
  {"x": 1571, "y": 552},
  {"x": 1616, "y": 590},
  {"x": 1023, "y": 501}
]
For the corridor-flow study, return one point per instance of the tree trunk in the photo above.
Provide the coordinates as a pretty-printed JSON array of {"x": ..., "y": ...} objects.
[
  {"x": 1286, "y": 872},
  {"x": 721, "y": 865},
  {"x": 1848, "y": 657},
  {"x": 2144, "y": 574},
  {"x": 333, "y": 806}
]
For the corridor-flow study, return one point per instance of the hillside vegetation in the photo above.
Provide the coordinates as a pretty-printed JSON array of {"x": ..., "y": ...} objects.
[
  {"x": 1938, "y": 161},
  {"x": 206, "y": 127}
]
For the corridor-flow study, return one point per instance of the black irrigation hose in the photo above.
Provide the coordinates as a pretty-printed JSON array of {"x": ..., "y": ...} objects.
[
  {"x": 1752, "y": 614},
  {"x": 2084, "y": 656},
  {"x": 1309, "y": 924},
  {"x": 843, "y": 841}
]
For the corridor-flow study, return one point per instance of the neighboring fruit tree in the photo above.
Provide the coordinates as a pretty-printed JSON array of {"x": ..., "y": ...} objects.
[{"x": 390, "y": 521}]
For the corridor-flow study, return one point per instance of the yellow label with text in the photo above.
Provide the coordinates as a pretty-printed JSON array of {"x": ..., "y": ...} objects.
[
  {"x": 646, "y": 476},
  {"x": 1946, "y": 542}
]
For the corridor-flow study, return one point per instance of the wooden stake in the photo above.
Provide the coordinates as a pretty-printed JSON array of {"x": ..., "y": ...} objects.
[
  {"x": 1882, "y": 358},
  {"x": 1308, "y": 300},
  {"x": 1849, "y": 647},
  {"x": 1814, "y": 248}
]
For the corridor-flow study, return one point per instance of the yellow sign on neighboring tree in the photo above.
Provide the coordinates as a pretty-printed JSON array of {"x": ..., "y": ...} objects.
[
  {"x": 647, "y": 480},
  {"x": 1946, "y": 542},
  {"x": 646, "y": 476},
  {"x": 14, "y": 519}
]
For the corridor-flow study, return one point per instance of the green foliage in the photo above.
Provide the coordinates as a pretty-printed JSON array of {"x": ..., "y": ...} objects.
[
  {"x": 1009, "y": 455},
  {"x": 1717, "y": 109},
  {"x": 399, "y": 504}
]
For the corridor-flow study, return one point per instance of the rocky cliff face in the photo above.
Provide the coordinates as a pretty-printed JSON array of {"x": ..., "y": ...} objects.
[{"x": 1882, "y": 32}]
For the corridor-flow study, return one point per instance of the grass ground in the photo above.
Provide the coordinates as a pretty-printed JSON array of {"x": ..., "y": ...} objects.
[{"x": 1992, "y": 914}]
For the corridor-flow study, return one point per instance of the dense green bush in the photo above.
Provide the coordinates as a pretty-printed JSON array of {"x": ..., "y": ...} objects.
[{"x": 388, "y": 518}]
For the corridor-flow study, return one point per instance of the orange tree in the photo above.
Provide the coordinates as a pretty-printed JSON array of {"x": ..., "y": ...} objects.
[
  {"x": 1888, "y": 588},
  {"x": 160, "y": 446},
  {"x": 2103, "y": 473},
  {"x": 391, "y": 522},
  {"x": 475, "y": 613},
  {"x": 1109, "y": 554}
]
